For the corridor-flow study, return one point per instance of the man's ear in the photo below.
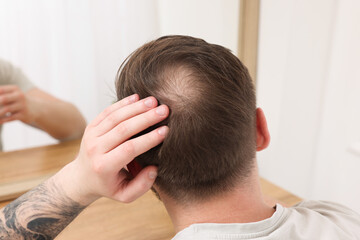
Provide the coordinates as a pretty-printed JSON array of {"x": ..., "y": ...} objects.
[{"x": 262, "y": 132}]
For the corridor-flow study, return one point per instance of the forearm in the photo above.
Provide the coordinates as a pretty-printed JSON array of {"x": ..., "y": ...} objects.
[
  {"x": 42, "y": 213},
  {"x": 60, "y": 119}
]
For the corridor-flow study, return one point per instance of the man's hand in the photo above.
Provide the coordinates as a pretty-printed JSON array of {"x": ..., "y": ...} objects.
[
  {"x": 13, "y": 105},
  {"x": 39, "y": 109},
  {"x": 106, "y": 149}
]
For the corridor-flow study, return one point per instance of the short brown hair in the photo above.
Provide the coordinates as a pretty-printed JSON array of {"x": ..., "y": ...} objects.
[{"x": 211, "y": 142}]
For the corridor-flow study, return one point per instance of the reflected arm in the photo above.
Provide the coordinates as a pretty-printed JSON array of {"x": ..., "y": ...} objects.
[
  {"x": 60, "y": 119},
  {"x": 20, "y": 100}
]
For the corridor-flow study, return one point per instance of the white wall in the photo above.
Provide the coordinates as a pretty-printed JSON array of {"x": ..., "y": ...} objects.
[
  {"x": 216, "y": 21},
  {"x": 308, "y": 85},
  {"x": 73, "y": 49}
]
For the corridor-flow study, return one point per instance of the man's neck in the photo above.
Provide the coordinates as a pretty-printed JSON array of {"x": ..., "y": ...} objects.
[{"x": 243, "y": 205}]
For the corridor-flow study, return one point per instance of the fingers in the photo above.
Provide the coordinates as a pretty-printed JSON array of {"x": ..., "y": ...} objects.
[
  {"x": 10, "y": 118},
  {"x": 11, "y": 103},
  {"x": 126, "y": 152},
  {"x": 8, "y": 88},
  {"x": 124, "y": 113},
  {"x": 123, "y": 102},
  {"x": 10, "y": 112},
  {"x": 106, "y": 148},
  {"x": 9, "y": 97},
  {"x": 131, "y": 127},
  {"x": 11, "y": 108},
  {"x": 138, "y": 186}
]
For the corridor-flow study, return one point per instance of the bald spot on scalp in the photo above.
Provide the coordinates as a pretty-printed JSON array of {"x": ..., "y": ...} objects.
[{"x": 180, "y": 88}]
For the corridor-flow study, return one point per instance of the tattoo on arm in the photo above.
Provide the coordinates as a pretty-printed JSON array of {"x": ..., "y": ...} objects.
[{"x": 40, "y": 214}]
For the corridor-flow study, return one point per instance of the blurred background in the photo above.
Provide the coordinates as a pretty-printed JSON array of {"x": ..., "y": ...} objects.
[{"x": 303, "y": 55}]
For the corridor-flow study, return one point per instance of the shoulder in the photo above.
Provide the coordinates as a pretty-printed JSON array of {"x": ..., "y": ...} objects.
[
  {"x": 325, "y": 208},
  {"x": 5, "y": 69},
  {"x": 325, "y": 217},
  {"x": 11, "y": 75}
]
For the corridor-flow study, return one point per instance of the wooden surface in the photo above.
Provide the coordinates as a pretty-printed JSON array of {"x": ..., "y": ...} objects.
[
  {"x": 24, "y": 169},
  {"x": 248, "y": 34},
  {"x": 278, "y": 194},
  {"x": 146, "y": 218}
]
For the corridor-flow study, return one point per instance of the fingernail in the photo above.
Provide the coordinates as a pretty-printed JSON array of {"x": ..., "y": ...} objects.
[
  {"x": 163, "y": 131},
  {"x": 152, "y": 175},
  {"x": 161, "y": 110},
  {"x": 149, "y": 102},
  {"x": 133, "y": 98}
]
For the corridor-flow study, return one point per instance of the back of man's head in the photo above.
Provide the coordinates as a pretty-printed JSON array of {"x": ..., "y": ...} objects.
[{"x": 211, "y": 142}]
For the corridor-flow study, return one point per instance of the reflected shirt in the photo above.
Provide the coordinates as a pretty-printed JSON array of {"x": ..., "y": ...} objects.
[{"x": 306, "y": 220}]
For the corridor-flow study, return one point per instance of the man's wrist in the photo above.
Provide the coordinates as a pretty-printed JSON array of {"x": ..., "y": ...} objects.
[
  {"x": 74, "y": 184},
  {"x": 30, "y": 112}
]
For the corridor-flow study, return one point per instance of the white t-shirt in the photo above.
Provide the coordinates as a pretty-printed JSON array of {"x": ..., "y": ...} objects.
[{"x": 307, "y": 220}]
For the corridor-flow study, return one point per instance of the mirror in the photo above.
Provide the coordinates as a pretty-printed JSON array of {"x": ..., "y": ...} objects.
[{"x": 72, "y": 49}]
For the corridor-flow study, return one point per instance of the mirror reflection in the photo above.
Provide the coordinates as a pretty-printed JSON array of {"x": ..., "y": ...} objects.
[{"x": 21, "y": 100}]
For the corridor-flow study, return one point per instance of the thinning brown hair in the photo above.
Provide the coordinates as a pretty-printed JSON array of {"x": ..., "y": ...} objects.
[{"x": 211, "y": 142}]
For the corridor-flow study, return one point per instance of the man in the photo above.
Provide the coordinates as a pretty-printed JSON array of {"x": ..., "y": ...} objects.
[
  {"x": 21, "y": 100},
  {"x": 207, "y": 174}
]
